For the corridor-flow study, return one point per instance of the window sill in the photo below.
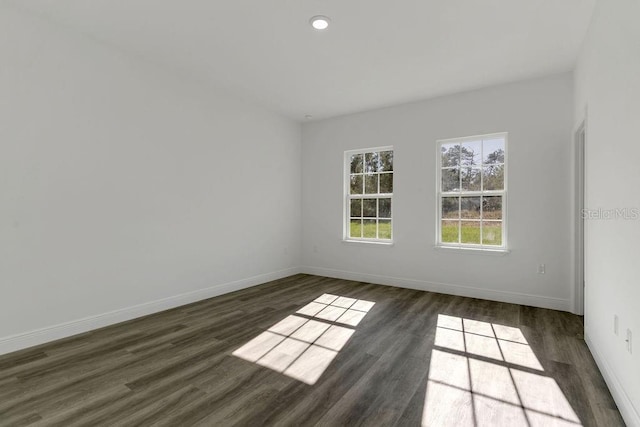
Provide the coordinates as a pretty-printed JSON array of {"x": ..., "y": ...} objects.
[
  {"x": 472, "y": 251},
  {"x": 368, "y": 242}
]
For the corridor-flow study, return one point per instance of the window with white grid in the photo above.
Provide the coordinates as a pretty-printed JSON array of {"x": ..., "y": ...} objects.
[
  {"x": 369, "y": 195},
  {"x": 472, "y": 196}
]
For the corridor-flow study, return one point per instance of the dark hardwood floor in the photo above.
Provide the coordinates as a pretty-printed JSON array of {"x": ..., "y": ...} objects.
[{"x": 380, "y": 356}]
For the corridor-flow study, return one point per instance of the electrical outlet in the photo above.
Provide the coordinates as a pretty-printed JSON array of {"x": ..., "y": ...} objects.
[
  {"x": 628, "y": 340},
  {"x": 615, "y": 324},
  {"x": 541, "y": 269}
]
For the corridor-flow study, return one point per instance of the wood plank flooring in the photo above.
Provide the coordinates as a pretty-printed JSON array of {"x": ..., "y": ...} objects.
[{"x": 248, "y": 358}]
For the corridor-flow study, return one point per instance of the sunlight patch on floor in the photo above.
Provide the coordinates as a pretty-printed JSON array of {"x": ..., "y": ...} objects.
[
  {"x": 499, "y": 342},
  {"x": 483, "y": 374},
  {"x": 304, "y": 344},
  {"x": 334, "y": 308}
]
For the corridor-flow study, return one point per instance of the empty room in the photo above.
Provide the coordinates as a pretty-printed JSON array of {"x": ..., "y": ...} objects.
[{"x": 319, "y": 212}]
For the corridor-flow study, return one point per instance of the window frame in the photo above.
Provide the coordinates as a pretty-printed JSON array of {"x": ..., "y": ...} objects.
[
  {"x": 503, "y": 248},
  {"x": 347, "y": 197}
]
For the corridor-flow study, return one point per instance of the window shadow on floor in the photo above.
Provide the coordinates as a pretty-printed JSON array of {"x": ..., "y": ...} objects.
[
  {"x": 305, "y": 343},
  {"x": 483, "y": 373}
]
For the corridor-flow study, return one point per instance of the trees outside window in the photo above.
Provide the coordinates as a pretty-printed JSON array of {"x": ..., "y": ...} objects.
[
  {"x": 472, "y": 195},
  {"x": 369, "y": 195}
]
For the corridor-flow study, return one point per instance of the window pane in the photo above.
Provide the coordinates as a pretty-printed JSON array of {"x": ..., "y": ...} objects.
[
  {"x": 371, "y": 162},
  {"x": 472, "y": 184},
  {"x": 386, "y": 183},
  {"x": 450, "y": 155},
  {"x": 370, "y": 175},
  {"x": 356, "y": 207},
  {"x": 450, "y": 180},
  {"x": 356, "y": 163},
  {"x": 470, "y": 153},
  {"x": 384, "y": 229},
  {"x": 470, "y": 232},
  {"x": 356, "y": 184},
  {"x": 493, "y": 177},
  {"x": 384, "y": 208},
  {"x": 369, "y": 228},
  {"x": 386, "y": 160},
  {"x": 470, "y": 207},
  {"x": 470, "y": 179},
  {"x": 450, "y": 231},
  {"x": 492, "y": 207},
  {"x": 492, "y": 233},
  {"x": 450, "y": 207},
  {"x": 371, "y": 184},
  {"x": 369, "y": 208},
  {"x": 493, "y": 150},
  {"x": 355, "y": 228}
]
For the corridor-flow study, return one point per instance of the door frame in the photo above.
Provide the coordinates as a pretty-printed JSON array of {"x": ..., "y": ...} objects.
[{"x": 580, "y": 150}]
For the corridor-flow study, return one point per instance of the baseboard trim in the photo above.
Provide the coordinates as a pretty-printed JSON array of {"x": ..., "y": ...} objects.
[
  {"x": 445, "y": 288},
  {"x": 63, "y": 330},
  {"x": 625, "y": 405},
  {"x": 40, "y": 336}
]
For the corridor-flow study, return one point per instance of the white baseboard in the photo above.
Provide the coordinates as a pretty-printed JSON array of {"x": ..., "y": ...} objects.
[
  {"x": 445, "y": 288},
  {"x": 67, "y": 329},
  {"x": 625, "y": 405},
  {"x": 40, "y": 336}
]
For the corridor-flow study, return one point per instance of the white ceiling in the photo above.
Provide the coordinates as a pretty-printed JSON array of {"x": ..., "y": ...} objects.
[{"x": 376, "y": 52}]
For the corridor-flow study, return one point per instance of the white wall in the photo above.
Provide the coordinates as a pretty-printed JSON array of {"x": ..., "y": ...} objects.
[
  {"x": 537, "y": 115},
  {"x": 608, "y": 88},
  {"x": 122, "y": 185}
]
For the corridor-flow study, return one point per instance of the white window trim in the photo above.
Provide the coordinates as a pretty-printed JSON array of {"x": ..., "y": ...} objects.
[
  {"x": 346, "y": 219},
  {"x": 470, "y": 247}
]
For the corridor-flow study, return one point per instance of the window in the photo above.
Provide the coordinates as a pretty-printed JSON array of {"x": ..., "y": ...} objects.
[
  {"x": 472, "y": 192},
  {"x": 369, "y": 195}
]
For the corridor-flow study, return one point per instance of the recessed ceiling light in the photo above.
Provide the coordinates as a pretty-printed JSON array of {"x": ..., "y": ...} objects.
[{"x": 319, "y": 22}]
